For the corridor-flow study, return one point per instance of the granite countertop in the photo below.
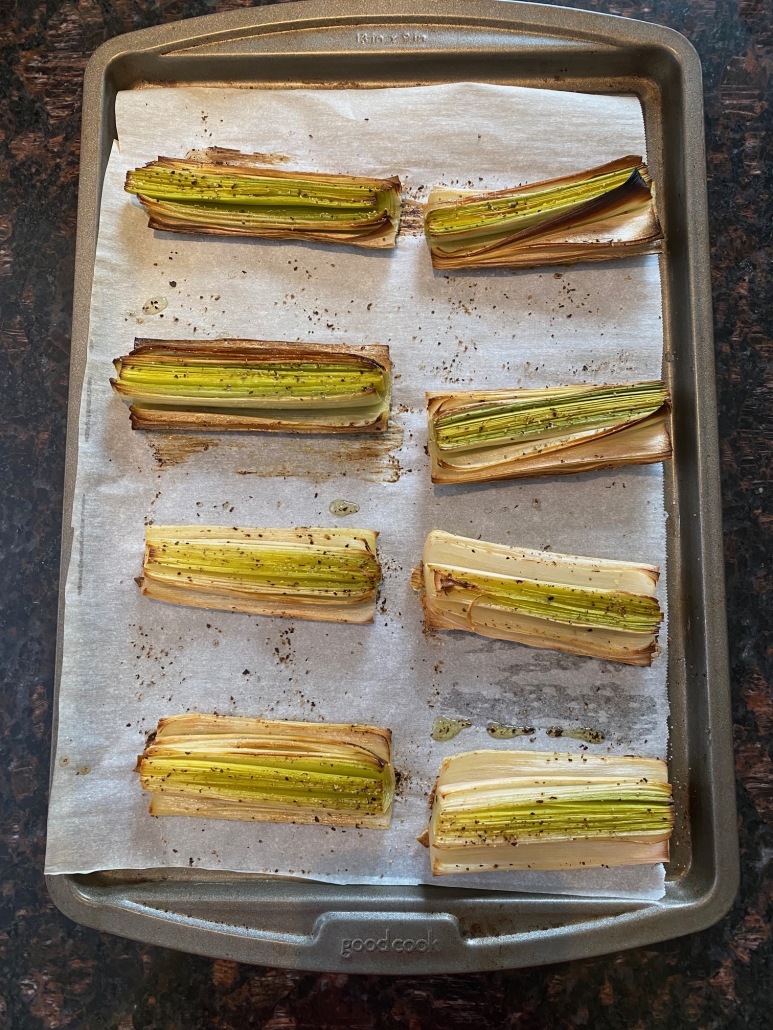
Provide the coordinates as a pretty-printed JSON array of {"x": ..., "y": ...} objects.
[{"x": 56, "y": 974}]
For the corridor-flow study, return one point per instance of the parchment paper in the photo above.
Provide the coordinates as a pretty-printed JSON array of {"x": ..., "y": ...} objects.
[{"x": 129, "y": 660}]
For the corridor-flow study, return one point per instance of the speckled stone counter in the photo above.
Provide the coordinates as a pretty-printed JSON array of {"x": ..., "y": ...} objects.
[{"x": 56, "y": 974}]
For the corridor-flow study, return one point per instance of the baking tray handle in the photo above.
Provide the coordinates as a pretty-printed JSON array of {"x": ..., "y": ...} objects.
[{"x": 412, "y": 929}]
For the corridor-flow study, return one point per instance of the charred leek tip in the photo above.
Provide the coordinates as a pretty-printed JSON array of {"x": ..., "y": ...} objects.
[
  {"x": 243, "y": 200},
  {"x": 537, "y": 810},
  {"x": 249, "y": 384},
  {"x": 602, "y": 213},
  {"x": 476, "y": 436},
  {"x": 330, "y": 575},
  {"x": 226, "y": 767},
  {"x": 587, "y": 606}
]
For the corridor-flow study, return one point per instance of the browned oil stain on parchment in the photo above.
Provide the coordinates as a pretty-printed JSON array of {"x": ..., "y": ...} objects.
[
  {"x": 171, "y": 448},
  {"x": 234, "y": 158},
  {"x": 321, "y": 457}
]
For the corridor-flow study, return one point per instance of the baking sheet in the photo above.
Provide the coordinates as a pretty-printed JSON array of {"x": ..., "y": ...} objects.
[{"x": 129, "y": 660}]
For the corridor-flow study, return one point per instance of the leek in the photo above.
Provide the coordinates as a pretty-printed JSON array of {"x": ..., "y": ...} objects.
[
  {"x": 255, "y": 385},
  {"x": 538, "y": 810},
  {"x": 244, "y": 200},
  {"x": 479, "y": 436},
  {"x": 228, "y": 767},
  {"x": 587, "y": 606},
  {"x": 330, "y": 575},
  {"x": 601, "y": 213}
]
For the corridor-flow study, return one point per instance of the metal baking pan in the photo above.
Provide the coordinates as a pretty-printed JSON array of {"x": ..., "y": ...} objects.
[{"x": 278, "y": 922}]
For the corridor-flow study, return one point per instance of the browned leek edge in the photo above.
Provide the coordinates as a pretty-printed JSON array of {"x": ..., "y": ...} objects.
[
  {"x": 323, "y": 574},
  {"x": 150, "y": 411},
  {"x": 232, "y": 767},
  {"x": 239, "y": 198},
  {"x": 636, "y": 441},
  {"x": 585, "y": 606},
  {"x": 622, "y": 222},
  {"x": 518, "y": 810}
]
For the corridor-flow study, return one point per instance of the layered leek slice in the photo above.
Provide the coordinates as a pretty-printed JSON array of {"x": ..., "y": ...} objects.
[
  {"x": 241, "y": 199},
  {"x": 538, "y": 810},
  {"x": 477, "y": 436},
  {"x": 229, "y": 767},
  {"x": 605, "y": 212},
  {"x": 586, "y": 606},
  {"x": 245, "y": 385},
  {"x": 327, "y": 575}
]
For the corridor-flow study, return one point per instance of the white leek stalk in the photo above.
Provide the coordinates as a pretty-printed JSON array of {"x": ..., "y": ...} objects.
[
  {"x": 329, "y": 575},
  {"x": 602, "y": 213},
  {"x": 587, "y": 606},
  {"x": 248, "y": 385},
  {"x": 240, "y": 199},
  {"x": 485, "y": 435},
  {"x": 537, "y": 810},
  {"x": 229, "y": 767}
]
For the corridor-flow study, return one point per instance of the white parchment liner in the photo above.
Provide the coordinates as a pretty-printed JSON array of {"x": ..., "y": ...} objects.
[{"x": 129, "y": 660}]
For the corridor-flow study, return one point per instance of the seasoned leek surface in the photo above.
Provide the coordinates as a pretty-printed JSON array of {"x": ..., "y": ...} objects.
[
  {"x": 186, "y": 196},
  {"x": 539, "y": 810},
  {"x": 303, "y": 570},
  {"x": 328, "y": 574},
  {"x": 224, "y": 379},
  {"x": 598, "y": 214},
  {"x": 521, "y": 208},
  {"x": 613, "y": 609},
  {"x": 482, "y": 424},
  {"x": 225, "y": 767},
  {"x": 507, "y": 815}
]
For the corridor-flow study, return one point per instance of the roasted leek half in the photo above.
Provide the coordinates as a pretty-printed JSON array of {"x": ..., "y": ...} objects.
[
  {"x": 247, "y": 385},
  {"x": 229, "y": 767},
  {"x": 586, "y": 606},
  {"x": 482, "y": 435},
  {"x": 537, "y": 810},
  {"x": 605, "y": 212},
  {"x": 328, "y": 575},
  {"x": 240, "y": 199}
]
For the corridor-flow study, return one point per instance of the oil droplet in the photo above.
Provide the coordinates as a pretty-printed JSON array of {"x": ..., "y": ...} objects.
[
  {"x": 153, "y": 305},
  {"x": 586, "y": 733},
  {"x": 341, "y": 508},
  {"x": 501, "y": 731},
  {"x": 447, "y": 729}
]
